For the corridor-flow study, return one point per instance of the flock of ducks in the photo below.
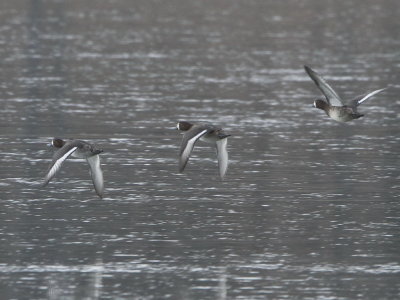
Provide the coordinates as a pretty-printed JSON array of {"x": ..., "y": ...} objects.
[{"x": 332, "y": 105}]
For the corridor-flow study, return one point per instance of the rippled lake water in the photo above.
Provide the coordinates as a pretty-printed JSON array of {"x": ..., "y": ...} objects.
[{"x": 309, "y": 208}]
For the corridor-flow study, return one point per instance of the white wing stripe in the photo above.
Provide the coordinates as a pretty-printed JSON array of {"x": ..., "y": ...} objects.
[
  {"x": 370, "y": 95},
  {"x": 54, "y": 169},
  {"x": 190, "y": 144}
]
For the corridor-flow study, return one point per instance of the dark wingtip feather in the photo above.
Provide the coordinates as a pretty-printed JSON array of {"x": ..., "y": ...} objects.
[
  {"x": 44, "y": 184},
  {"x": 308, "y": 70},
  {"x": 181, "y": 168}
]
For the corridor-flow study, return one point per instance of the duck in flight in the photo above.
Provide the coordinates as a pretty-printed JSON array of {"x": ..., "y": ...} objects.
[
  {"x": 78, "y": 149},
  {"x": 206, "y": 133},
  {"x": 334, "y": 106}
]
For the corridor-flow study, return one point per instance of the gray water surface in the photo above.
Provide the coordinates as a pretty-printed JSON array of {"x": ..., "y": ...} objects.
[{"x": 309, "y": 208}]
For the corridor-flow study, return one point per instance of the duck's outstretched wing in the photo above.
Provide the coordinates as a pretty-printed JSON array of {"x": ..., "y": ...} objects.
[
  {"x": 96, "y": 173},
  {"x": 59, "y": 157},
  {"x": 360, "y": 99},
  {"x": 222, "y": 155},
  {"x": 329, "y": 93},
  {"x": 188, "y": 141}
]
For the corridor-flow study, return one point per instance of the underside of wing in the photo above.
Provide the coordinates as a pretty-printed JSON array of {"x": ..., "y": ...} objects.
[
  {"x": 222, "y": 155},
  {"x": 59, "y": 157},
  {"x": 96, "y": 173},
  {"x": 188, "y": 141},
  {"x": 329, "y": 93}
]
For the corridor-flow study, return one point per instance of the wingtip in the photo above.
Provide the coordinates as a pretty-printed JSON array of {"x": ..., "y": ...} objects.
[
  {"x": 182, "y": 164},
  {"x": 310, "y": 72},
  {"x": 45, "y": 183},
  {"x": 99, "y": 191},
  {"x": 222, "y": 171}
]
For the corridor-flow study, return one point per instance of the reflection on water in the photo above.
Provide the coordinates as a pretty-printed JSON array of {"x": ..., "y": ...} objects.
[{"x": 309, "y": 208}]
